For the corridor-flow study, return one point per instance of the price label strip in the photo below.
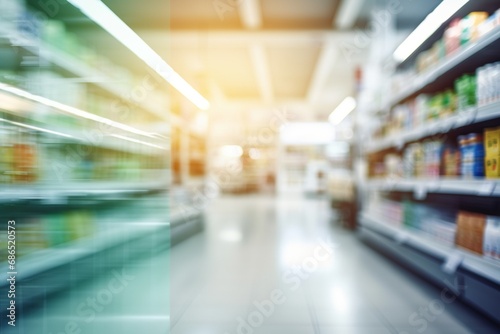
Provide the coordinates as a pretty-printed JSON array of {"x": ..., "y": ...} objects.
[
  {"x": 452, "y": 263},
  {"x": 401, "y": 237},
  {"x": 487, "y": 189}
]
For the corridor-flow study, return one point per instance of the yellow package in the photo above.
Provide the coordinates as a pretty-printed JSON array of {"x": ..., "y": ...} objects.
[
  {"x": 492, "y": 142},
  {"x": 491, "y": 167}
]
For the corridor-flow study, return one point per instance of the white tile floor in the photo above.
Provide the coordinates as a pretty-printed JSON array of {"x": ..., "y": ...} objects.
[
  {"x": 222, "y": 281},
  {"x": 250, "y": 247}
]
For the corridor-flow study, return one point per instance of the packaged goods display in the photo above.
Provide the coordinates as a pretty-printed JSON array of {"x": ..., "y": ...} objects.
[
  {"x": 468, "y": 157},
  {"x": 27, "y": 157},
  {"x": 423, "y": 159},
  {"x": 492, "y": 152},
  {"x": 459, "y": 33},
  {"x": 427, "y": 108},
  {"x": 470, "y": 231},
  {"x": 433, "y": 221},
  {"x": 466, "y": 91},
  {"x": 488, "y": 84},
  {"x": 436, "y": 153},
  {"x": 474, "y": 232},
  {"x": 41, "y": 232},
  {"x": 451, "y": 161},
  {"x": 491, "y": 240},
  {"x": 472, "y": 153}
]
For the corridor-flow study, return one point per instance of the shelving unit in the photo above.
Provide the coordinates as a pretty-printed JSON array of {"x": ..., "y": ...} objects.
[
  {"x": 112, "y": 242},
  {"x": 440, "y": 186},
  {"x": 79, "y": 68},
  {"x": 461, "y": 119},
  {"x": 114, "y": 206},
  {"x": 488, "y": 268},
  {"x": 473, "y": 278},
  {"x": 466, "y": 58},
  {"x": 420, "y": 203}
]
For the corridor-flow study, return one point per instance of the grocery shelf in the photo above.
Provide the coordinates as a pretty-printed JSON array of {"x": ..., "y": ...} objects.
[
  {"x": 483, "y": 267},
  {"x": 59, "y": 191},
  {"x": 463, "y": 118},
  {"x": 103, "y": 138},
  {"x": 482, "y": 187},
  {"x": 151, "y": 234},
  {"x": 433, "y": 75},
  {"x": 71, "y": 64}
]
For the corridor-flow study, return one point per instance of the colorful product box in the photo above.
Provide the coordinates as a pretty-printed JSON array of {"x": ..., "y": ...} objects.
[
  {"x": 470, "y": 231},
  {"x": 492, "y": 142},
  {"x": 491, "y": 243},
  {"x": 491, "y": 167}
]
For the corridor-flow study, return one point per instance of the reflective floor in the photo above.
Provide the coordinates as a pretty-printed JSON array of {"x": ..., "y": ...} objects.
[
  {"x": 262, "y": 265},
  {"x": 283, "y": 266}
]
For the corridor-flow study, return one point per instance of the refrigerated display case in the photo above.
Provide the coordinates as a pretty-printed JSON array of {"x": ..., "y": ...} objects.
[{"x": 84, "y": 161}]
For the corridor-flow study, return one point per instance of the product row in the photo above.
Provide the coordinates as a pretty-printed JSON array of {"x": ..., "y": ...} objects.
[
  {"x": 459, "y": 34},
  {"x": 20, "y": 25},
  {"x": 474, "y": 155},
  {"x": 470, "y": 90},
  {"x": 47, "y": 231},
  {"x": 26, "y": 28},
  {"x": 472, "y": 231},
  {"x": 28, "y": 157}
]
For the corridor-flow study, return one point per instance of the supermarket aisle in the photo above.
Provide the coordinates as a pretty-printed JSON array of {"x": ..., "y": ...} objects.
[{"x": 281, "y": 266}]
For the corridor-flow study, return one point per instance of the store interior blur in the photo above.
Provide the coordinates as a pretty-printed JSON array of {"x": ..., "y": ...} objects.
[{"x": 249, "y": 166}]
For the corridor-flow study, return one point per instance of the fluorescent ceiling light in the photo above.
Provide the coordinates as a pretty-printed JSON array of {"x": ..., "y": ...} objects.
[
  {"x": 98, "y": 12},
  {"x": 429, "y": 25},
  {"x": 139, "y": 142},
  {"x": 250, "y": 13},
  {"x": 36, "y": 128},
  {"x": 342, "y": 111},
  {"x": 348, "y": 13},
  {"x": 71, "y": 110},
  {"x": 231, "y": 151}
]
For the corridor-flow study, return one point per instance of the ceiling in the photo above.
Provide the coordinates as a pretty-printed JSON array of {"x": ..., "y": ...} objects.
[{"x": 246, "y": 55}]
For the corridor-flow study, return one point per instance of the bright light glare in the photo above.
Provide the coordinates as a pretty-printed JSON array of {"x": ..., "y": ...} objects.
[
  {"x": 231, "y": 151},
  {"x": 200, "y": 123},
  {"x": 255, "y": 153},
  {"x": 340, "y": 300},
  {"x": 97, "y": 11},
  {"x": 231, "y": 235},
  {"x": 138, "y": 141},
  {"x": 36, "y": 128},
  {"x": 307, "y": 133},
  {"x": 342, "y": 111},
  {"x": 429, "y": 25},
  {"x": 70, "y": 110}
]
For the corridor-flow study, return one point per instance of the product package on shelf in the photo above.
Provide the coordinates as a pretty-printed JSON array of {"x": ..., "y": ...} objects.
[
  {"x": 472, "y": 152},
  {"x": 491, "y": 243},
  {"x": 488, "y": 84},
  {"x": 492, "y": 148},
  {"x": 470, "y": 231}
]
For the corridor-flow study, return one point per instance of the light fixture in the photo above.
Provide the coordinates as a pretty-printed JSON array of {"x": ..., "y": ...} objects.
[
  {"x": 71, "y": 110},
  {"x": 250, "y": 13},
  {"x": 98, "y": 12},
  {"x": 429, "y": 25},
  {"x": 342, "y": 111},
  {"x": 36, "y": 128},
  {"x": 138, "y": 141},
  {"x": 231, "y": 151},
  {"x": 348, "y": 13}
]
